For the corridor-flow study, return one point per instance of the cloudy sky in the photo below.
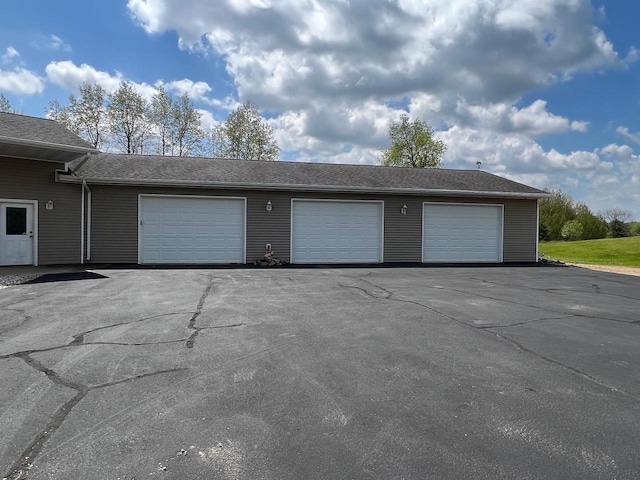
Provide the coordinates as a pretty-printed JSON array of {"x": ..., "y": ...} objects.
[{"x": 546, "y": 92}]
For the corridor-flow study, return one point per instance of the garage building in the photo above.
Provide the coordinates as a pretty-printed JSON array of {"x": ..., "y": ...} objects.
[{"x": 83, "y": 206}]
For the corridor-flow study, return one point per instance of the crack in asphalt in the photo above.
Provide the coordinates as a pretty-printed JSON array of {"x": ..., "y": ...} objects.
[
  {"x": 489, "y": 327},
  {"x": 573, "y": 370},
  {"x": 79, "y": 338},
  {"x": 24, "y": 463},
  {"x": 520, "y": 304},
  {"x": 389, "y": 296},
  {"x": 192, "y": 322},
  {"x": 596, "y": 288}
]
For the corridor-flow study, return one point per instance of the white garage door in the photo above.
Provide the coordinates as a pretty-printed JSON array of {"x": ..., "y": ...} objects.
[
  {"x": 336, "y": 232},
  {"x": 462, "y": 233},
  {"x": 192, "y": 230}
]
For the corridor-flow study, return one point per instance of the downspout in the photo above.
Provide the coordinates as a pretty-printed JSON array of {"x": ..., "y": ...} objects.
[
  {"x": 88, "y": 220},
  {"x": 82, "y": 225},
  {"x": 537, "y": 230}
]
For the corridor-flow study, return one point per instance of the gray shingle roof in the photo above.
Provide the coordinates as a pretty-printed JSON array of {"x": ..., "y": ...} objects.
[
  {"x": 22, "y": 127},
  {"x": 164, "y": 170}
]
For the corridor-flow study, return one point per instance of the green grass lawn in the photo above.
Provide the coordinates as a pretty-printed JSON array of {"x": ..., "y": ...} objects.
[{"x": 607, "y": 251}]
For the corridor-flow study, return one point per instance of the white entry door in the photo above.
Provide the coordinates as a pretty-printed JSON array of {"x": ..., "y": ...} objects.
[{"x": 16, "y": 234}]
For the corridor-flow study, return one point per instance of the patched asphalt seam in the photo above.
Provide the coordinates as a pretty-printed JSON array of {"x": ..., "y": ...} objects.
[
  {"x": 24, "y": 463},
  {"x": 25, "y": 319},
  {"x": 192, "y": 322},
  {"x": 389, "y": 296}
]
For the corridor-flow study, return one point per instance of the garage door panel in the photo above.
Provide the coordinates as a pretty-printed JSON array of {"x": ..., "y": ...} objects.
[
  {"x": 462, "y": 233},
  {"x": 336, "y": 232},
  {"x": 192, "y": 230}
]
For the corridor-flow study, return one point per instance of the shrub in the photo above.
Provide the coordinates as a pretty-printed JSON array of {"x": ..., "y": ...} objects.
[{"x": 572, "y": 230}]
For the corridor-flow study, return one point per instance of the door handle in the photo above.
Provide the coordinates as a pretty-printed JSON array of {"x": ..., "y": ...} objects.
[{"x": 30, "y": 234}]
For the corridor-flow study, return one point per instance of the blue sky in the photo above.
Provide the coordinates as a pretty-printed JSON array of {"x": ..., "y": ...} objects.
[{"x": 546, "y": 92}]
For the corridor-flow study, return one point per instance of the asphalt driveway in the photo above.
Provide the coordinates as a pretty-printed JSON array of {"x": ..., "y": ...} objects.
[{"x": 484, "y": 373}]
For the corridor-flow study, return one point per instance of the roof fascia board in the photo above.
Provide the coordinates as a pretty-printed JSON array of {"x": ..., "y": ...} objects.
[
  {"x": 36, "y": 159},
  {"x": 52, "y": 146},
  {"x": 296, "y": 187}
]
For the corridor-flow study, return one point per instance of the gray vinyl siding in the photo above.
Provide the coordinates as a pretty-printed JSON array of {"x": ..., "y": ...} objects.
[
  {"x": 114, "y": 236},
  {"x": 58, "y": 229},
  {"x": 520, "y": 231}
]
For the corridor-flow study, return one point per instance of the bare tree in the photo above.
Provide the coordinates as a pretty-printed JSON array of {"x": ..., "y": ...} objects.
[
  {"x": 617, "y": 214},
  {"x": 85, "y": 115},
  {"x": 160, "y": 114},
  {"x": 185, "y": 126},
  {"x": 61, "y": 114},
  {"x": 244, "y": 135},
  {"x": 88, "y": 113},
  {"x": 126, "y": 110},
  {"x": 5, "y": 105}
]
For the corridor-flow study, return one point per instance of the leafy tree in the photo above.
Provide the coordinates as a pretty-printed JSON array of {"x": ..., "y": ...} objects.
[
  {"x": 244, "y": 135},
  {"x": 572, "y": 230},
  {"x": 185, "y": 126},
  {"x": 126, "y": 112},
  {"x": 618, "y": 229},
  {"x": 555, "y": 211},
  {"x": 634, "y": 230},
  {"x": 618, "y": 220},
  {"x": 543, "y": 232},
  {"x": 413, "y": 145},
  {"x": 160, "y": 114},
  {"x": 593, "y": 226}
]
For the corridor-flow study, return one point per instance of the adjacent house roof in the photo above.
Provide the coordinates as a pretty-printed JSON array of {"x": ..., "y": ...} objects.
[
  {"x": 40, "y": 139},
  {"x": 120, "y": 169}
]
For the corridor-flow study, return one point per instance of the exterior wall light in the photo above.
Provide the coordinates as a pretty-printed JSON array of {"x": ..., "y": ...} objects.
[
  {"x": 403, "y": 209},
  {"x": 269, "y": 207},
  {"x": 49, "y": 205}
]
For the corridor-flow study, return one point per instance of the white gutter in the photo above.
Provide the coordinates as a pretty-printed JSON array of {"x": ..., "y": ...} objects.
[
  {"x": 297, "y": 187},
  {"x": 53, "y": 146}
]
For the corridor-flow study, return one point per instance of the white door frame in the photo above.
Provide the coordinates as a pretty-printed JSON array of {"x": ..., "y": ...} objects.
[
  {"x": 34, "y": 205},
  {"x": 340, "y": 200},
  {"x": 501, "y": 239},
  {"x": 210, "y": 197}
]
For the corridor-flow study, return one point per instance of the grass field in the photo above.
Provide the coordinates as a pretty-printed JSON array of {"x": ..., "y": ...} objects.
[{"x": 607, "y": 251}]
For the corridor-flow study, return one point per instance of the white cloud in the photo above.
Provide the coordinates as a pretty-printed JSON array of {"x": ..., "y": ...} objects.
[
  {"x": 56, "y": 43},
  {"x": 624, "y": 131},
  {"x": 534, "y": 120},
  {"x": 9, "y": 56},
  {"x": 21, "y": 81},
  {"x": 68, "y": 75},
  {"x": 480, "y": 50},
  {"x": 197, "y": 91}
]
